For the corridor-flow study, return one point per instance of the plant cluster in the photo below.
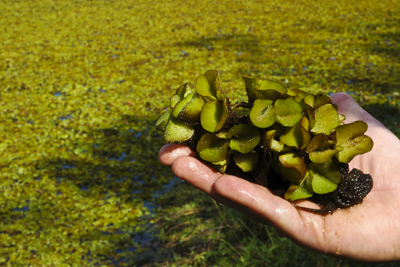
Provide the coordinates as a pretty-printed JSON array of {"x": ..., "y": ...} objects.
[{"x": 285, "y": 134}]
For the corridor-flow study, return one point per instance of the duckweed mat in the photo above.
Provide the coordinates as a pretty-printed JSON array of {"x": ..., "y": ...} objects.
[{"x": 82, "y": 82}]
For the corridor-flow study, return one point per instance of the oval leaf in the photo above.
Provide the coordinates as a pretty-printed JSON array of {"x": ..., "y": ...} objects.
[
  {"x": 177, "y": 131},
  {"x": 322, "y": 99},
  {"x": 325, "y": 177},
  {"x": 208, "y": 86},
  {"x": 288, "y": 112},
  {"x": 246, "y": 162},
  {"x": 181, "y": 104},
  {"x": 244, "y": 138},
  {"x": 212, "y": 115},
  {"x": 191, "y": 111},
  {"x": 295, "y": 136},
  {"x": 293, "y": 167},
  {"x": 263, "y": 89},
  {"x": 211, "y": 148},
  {"x": 262, "y": 113},
  {"x": 273, "y": 85},
  {"x": 302, "y": 191},
  {"x": 326, "y": 119},
  {"x": 204, "y": 88}
]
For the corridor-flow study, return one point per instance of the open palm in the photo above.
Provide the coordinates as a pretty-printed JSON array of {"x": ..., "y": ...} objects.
[{"x": 366, "y": 232}]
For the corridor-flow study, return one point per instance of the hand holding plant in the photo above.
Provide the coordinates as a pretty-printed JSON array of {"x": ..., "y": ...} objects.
[
  {"x": 283, "y": 139},
  {"x": 366, "y": 232}
]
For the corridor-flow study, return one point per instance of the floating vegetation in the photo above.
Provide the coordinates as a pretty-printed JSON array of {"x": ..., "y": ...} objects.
[{"x": 79, "y": 84}]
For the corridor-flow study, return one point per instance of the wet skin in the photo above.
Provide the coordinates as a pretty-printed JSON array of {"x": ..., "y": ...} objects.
[{"x": 366, "y": 232}]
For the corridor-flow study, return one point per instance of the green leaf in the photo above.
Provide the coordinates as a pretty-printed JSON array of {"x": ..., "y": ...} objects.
[
  {"x": 296, "y": 136},
  {"x": 325, "y": 119},
  {"x": 223, "y": 135},
  {"x": 225, "y": 114},
  {"x": 208, "y": 86},
  {"x": 211, "y": 148},
  {"x": 341, "y": 118},
  {"x": 252, "y": 86},
  {"x": 302, "y": 191},
  {"x": 191, "y": 111},
  {"x": 271, "y": 143},
  {"x": 322, "y": 99},
  {"x": 292, "y": 167},
  {"x": 262, "y": 113},
  {"x": 244, "y": 138},
  {"x": 321, "y": 150},
  {"x": 177, "y": 131},
  {"x": 309, "y": 100},
  {"x": 246, "y": 162},
  {"x": 181, "y": 104},
  {"x": 353, "y": 141},
  {"x": 273, "y": 85},
  {"x": 305, "y": 123},
  {"x": 204, "y": 88},
  {"x": 302, "y": 94},
  {"x": 181, "y": 93},
  {"x": 263, "y": 89},
  {"x": 291, "y": 92},
  {"x": 242, "y": 111},
  {"x": 219, "y": 166},
  {"x": 214, "y": 115},
  {"x": 325, "y": 177},
  {"x": 221, "y": 163},
  {"x": 174, "y": 100},
  {"x": 162, "y": 122},
  {"x": 288, "y": 112}
]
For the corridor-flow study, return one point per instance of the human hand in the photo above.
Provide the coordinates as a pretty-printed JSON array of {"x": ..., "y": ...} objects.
[{"x": 366, "y": 232}]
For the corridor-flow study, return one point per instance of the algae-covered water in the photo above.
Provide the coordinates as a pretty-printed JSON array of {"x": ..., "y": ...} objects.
[{"x": 83, "y": 82}]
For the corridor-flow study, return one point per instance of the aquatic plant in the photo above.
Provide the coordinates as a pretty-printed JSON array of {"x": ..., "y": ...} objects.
[{"x": 285, "y": 138}]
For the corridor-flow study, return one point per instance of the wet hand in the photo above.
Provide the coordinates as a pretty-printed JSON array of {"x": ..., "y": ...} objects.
[{"x": 366, "y": 232}]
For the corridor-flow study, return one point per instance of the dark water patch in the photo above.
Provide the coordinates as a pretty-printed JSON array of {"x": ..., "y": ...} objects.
[
  {"x": 23, "y": 209},
  {"x": 66, "y": 117}
]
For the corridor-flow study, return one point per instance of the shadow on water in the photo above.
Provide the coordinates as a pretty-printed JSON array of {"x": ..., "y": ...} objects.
[
  {"x": 243, "y": 47},
  {"x": 385, "y": 43},
  {"x": 388, "y": 43},
  {"x": 388, "y": 114},
  {"x": 232, "y": 42},
  {"x": 384, "y": 79},
  {"x": 120, "y": 162}
]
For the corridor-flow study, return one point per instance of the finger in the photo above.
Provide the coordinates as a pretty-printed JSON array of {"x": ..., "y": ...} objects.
[
  {"x": 251, "y": 200},
  {"x": 281, "y": 213},
  {"x": 195, "y": 172},
  {"x": 169, "y": 153},
  {"x": 204, "y": 177}
]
